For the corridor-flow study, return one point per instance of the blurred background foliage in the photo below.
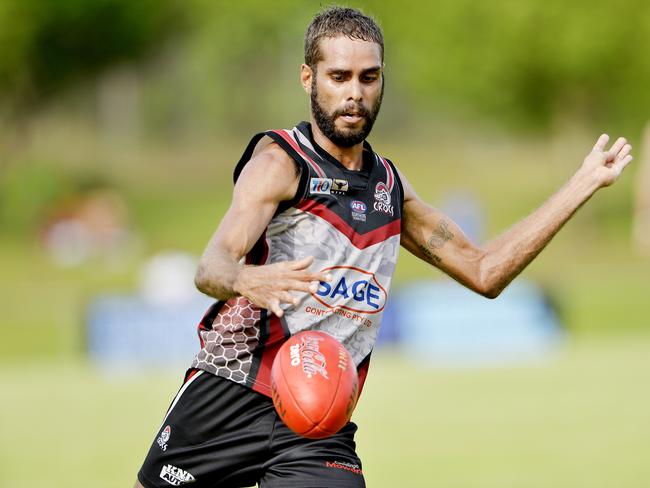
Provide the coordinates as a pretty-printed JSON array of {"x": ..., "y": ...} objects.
[
  {"x": 527, "y": 64},
  {"x": 155, "y": 100},
  {"x": 48, "y": 46}
]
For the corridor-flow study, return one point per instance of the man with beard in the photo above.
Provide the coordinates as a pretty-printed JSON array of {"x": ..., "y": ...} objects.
[{"x": 310, "y": 242}]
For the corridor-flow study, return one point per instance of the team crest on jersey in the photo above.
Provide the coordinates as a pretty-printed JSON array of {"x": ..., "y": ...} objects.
[
  {"x": 382, "y": 199},
  {"x": 164, "y": 437},
  {"x": 320, "y": 186}
]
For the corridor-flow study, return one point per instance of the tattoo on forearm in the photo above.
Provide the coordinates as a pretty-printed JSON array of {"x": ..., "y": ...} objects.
[
  {"x": 440, "y": 235},
  {"x": 432, "y": 258}
]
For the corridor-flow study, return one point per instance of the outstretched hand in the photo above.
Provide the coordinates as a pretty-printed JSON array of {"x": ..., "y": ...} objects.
[
  {"x": 606, "y": 165},
  {"x": 269, "y": 286}
]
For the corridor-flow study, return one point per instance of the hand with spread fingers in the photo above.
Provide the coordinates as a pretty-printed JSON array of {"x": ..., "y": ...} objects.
[
  {"x": 270, "y": 286},
  {"x": 606, "y": 165}
]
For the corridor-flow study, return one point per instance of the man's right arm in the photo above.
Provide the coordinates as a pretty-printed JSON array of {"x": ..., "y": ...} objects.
[{"x": 267, "y": 179}]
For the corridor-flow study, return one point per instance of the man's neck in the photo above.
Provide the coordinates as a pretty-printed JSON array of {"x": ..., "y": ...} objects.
[{"x": 350, "y": 157}]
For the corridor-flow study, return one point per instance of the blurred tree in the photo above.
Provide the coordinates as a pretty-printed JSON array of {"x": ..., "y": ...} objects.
[
  {"x": 524, "y": 63},
  {"x": 47, "y": 45}
]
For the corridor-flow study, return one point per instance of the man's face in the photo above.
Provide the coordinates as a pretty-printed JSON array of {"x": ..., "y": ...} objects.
[{"x": 346, "y": 89}]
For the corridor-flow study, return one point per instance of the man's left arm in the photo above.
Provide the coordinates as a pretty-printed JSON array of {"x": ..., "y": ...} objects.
[{"x": 436, "y": 239}]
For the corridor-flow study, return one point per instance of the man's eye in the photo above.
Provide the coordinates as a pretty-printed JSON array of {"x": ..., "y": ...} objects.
[{"x": 338, "y": 77}]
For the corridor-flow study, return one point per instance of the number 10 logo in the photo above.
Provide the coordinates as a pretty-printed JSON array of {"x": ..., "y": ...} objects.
[{"x": 322, "y": 186}]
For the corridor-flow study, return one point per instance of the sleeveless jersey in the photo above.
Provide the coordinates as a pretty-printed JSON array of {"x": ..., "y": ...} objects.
[{"x": 350, "y": 222}]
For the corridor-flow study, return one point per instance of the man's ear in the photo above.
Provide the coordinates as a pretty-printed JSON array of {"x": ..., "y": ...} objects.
[{"x": 306, "y": 77}]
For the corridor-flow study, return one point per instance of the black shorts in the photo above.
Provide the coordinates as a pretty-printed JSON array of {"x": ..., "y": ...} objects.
[{"x": 218, "y": 433}]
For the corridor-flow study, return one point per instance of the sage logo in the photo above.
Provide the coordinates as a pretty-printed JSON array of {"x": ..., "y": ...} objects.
[{"x": 353, "y": 289}]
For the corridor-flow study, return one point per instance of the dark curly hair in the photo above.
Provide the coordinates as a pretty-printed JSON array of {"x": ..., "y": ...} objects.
[{"x": 335, "y": 21}]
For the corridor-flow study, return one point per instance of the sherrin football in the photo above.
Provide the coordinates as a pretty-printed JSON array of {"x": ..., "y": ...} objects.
[{"x": 314, "y": 384}]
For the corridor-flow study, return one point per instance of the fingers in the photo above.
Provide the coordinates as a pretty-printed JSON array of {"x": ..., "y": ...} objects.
[
  {"x": 625, "y": 161},
  {"x": 274, "y": 306},
  {"x": 306, "y": 286},
  {"x": 620, "y": 165},
  {"x": 319, "y": 276},
  {"x": 275, "y": 303},
  {"x": 286, "y": 297},
  {"x": 616, "y": 148},
  {"x": 622, "y": 159},
  {"x": 624, "y": 152},
  {"x": 601, "y": 142},
  {"x": 301, "y": 263},
  {"x": 278, "y": 281}
]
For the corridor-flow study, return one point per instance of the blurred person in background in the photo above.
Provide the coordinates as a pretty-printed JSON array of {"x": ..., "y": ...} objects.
[
  {"x": 91, "y": 222},
  {"x": 311, "y": 206}
]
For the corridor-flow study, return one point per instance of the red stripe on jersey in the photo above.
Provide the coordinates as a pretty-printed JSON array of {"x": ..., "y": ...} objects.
[
  {"x": 190, "y": 375},
  {"x": 285, "y": 135},
  {"x": 271, "y": 346},
  {"x": 360, "y": 241},
  {"x": 203, "y": 325},
  {"x": 198, "y": 332},
  {"x": 390, "y": 180},
  {"x": 257, "y": 255},
  {"x": 265, "y": 252}
]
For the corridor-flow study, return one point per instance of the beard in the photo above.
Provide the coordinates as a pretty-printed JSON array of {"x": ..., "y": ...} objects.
[{"x": 347, "y": 137}]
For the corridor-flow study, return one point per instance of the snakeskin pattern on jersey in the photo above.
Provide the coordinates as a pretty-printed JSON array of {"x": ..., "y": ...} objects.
[{"x": 234, "y": 333}]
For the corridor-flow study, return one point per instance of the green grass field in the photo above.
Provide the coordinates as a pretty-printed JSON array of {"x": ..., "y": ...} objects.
[{"x": 579, "y": 419}]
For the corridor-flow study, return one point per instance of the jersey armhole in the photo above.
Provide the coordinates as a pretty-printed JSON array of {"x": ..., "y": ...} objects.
[{"x": 299, "y": 163}]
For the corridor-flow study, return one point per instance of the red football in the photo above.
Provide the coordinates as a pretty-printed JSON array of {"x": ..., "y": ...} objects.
[{"x": 315, "y": 384}]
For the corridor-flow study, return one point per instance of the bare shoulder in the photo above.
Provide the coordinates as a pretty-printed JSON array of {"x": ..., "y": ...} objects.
[
  {"x": 409, "y": 192},
  {"x": 270, "y": 171},
  {"x": 270, "y": 157}
]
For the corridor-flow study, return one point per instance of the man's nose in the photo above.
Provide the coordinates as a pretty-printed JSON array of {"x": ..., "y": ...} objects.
[{"x": 355, "y": 91}]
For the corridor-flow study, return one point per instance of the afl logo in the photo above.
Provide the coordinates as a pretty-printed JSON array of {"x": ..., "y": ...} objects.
[
  {"x": 352, "y": 289},
  {"x": 382, "y": 199},
  {"x": 358, "y": 207}
]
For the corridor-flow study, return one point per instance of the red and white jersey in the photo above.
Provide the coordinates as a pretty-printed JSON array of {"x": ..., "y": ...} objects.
[{"x": 349, "y": 221}]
